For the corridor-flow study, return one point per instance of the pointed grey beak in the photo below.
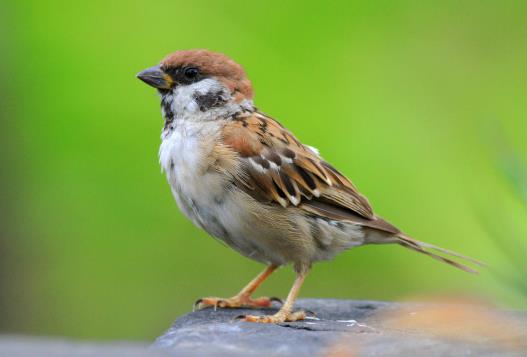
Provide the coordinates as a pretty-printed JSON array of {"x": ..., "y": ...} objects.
[{"x": 155, "y": 77}]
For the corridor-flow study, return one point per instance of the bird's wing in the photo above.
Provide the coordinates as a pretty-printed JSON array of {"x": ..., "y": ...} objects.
[
  {"x": 275, "y": 168},
  {"x": 270, "y": 164}
]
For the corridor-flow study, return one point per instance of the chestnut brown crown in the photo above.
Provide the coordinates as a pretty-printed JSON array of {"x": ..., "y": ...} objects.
[{"x": 189, "y": 66}]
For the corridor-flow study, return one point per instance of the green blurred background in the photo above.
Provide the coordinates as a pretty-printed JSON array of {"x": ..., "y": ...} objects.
[{"x": 421, "y": 103}]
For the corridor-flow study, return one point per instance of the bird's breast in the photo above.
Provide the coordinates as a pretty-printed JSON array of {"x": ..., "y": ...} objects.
[{"x": 184, "y": 156}]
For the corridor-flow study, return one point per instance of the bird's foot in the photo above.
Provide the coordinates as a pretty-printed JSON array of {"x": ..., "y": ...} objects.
[
  {"x": 237, "y": 301},
  {"x": 277, "y": 318}
]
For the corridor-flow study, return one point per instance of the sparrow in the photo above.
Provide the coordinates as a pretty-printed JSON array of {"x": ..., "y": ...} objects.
[{"x": 248, "y": 181}]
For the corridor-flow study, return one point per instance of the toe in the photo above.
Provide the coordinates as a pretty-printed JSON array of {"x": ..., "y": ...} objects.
[
  {"x": 276, "y": 318},
  {"x": 296, "y": 316},
  {"x": 208, "y": 301},
  {"x": 222, "y": 303},
  {"x": 235, "y": 302},
  {"x": 258, "y": 319},
  {"x": 259, "y": 302}
]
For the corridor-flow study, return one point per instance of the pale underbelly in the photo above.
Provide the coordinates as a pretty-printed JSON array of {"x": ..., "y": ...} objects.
[
  {"x": 268, "y": 234},
  {"x": 225, "y": 215}
]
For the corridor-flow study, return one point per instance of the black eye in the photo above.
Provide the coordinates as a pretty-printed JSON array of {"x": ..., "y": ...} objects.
[{"x": 191, "y": 72}]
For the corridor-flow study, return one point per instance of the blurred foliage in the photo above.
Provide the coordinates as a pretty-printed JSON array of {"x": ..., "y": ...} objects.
[
  {"x": 396, "y": 94},
  {"x": 508, "y": 231}
]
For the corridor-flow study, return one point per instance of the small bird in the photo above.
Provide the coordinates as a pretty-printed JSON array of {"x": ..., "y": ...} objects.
[{"x": 249, "y": 182}]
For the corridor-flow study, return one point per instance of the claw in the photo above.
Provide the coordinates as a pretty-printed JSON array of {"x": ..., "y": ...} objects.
[
  {"x": 218, "y": 303},
  {"x": 196, "y": 304},
  {"x": 239, "y": 317},
  {"x": 276, "y": 299},
  {"x": 310, "y": 313}
]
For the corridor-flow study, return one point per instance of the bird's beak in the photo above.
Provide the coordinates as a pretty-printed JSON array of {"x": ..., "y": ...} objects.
[{"x": 155, "y": 77}]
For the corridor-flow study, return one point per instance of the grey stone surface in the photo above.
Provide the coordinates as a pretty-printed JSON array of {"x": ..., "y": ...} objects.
[
  {"x": 350, "y": 328},
  {"x": 29, "y": 346},
  {"x": 342, "y": 328}
]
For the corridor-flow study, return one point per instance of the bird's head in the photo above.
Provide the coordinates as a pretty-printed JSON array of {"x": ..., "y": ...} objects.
[{"x": 198, "y": 83}]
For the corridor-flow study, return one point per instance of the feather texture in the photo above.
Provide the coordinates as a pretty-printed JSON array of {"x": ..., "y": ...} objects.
[{"x": 276, "y": 168}]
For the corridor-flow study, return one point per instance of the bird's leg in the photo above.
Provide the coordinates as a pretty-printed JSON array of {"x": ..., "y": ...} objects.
[
  {"x": 243, "y": 298},
  {"x": 285, "y": 313}
]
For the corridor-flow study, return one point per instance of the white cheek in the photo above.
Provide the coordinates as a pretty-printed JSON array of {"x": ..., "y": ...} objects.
[
  {"x": 183, "y": 103},
  {"x": 192, "y": 106},
  {"x": 185, "y": 96},
  {"x": 206, "y": 85}
]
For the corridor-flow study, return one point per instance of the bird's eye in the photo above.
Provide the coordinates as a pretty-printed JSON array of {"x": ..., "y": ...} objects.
[{"x": 191, "y": 72}]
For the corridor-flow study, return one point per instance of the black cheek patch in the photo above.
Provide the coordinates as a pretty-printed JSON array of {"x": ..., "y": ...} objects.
[{"x": 210, "y": 100}]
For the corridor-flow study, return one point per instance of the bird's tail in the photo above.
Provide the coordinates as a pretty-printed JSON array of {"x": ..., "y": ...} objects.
[{"x": 432, "y": 251}]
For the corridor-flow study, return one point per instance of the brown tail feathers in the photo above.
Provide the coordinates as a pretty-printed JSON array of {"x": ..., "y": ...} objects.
[{"x": 428, "y": 249}]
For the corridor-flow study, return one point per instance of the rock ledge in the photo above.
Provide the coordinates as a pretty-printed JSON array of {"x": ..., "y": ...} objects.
[{"x": 347, "y": 328}]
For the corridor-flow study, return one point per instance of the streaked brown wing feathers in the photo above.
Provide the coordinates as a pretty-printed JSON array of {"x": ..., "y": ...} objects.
[{"x": 276, "y": 167}]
